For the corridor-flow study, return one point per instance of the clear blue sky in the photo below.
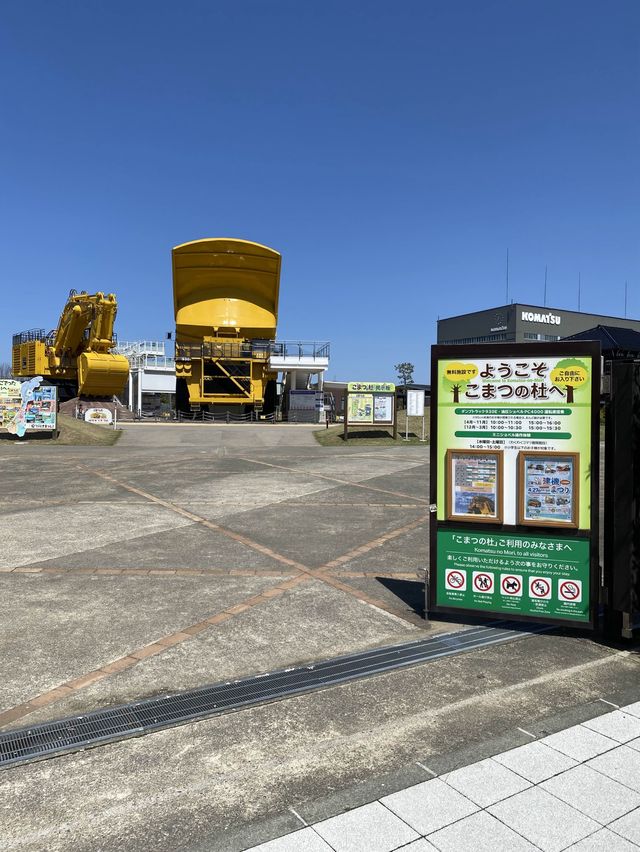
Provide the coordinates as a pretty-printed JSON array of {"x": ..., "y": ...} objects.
[{"x": 390, "y": 151}]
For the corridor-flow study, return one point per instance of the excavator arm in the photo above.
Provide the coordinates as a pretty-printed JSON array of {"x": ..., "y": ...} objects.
[{"x": 81, "y": 347}]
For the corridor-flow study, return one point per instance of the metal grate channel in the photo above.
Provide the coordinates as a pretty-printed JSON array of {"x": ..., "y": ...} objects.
[{"x": 130, "y": 720}]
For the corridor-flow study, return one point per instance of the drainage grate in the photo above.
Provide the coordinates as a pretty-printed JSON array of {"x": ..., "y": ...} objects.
[{"x": 130, "y": 720}]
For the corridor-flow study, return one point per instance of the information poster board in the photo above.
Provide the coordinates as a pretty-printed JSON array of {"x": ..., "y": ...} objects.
[
  {"x": 514, "y": 489},
  {"x": 474, "y": 491},
  {"x": 27, "y": 407},
  {"x": 415, "y": 403},
  {"x": 360, "y": 408},
  {"x": 549, "y": 493},
  {"x": 372, "y": 403}
]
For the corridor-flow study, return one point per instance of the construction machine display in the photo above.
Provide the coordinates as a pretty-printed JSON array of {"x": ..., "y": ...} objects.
[
  {"x": 225, "y": 295},
  {"x": 78, "y": 355}
]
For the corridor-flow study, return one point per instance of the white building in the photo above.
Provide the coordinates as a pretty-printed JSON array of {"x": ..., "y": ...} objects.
[{"x": 152, "y": 375}]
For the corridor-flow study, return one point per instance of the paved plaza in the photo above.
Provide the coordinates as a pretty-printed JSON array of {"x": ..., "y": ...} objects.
[
  {"x": 578, "y": 789},
  {"x": 193, "y": 554}
]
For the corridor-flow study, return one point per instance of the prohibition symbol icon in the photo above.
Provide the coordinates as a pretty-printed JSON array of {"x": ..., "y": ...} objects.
[
  {"x": 456, "y": 580},
  {"x": 570, "y": 590},
  {"x": 483, "y": 582},
  {"x": 511, "y": 585},
  {"x": 540, "y": 588}
]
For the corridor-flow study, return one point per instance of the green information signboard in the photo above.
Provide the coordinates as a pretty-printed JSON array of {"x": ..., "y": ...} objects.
[
  {"x": 514, "y": 488},
  {"x": 372, "y": 403},
  {"x": 530, "y": 575}
]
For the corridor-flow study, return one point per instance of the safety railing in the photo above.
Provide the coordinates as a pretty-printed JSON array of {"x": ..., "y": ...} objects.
[
  {"x": 256, "y": 349},
  {"x": 223, "y": 417},
  {"x": 300, "y": 349},
  {"x": 29, "y": 335}
]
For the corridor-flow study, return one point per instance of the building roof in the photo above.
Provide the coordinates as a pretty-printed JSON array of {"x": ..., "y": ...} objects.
[{"x": 611, "y": 337}]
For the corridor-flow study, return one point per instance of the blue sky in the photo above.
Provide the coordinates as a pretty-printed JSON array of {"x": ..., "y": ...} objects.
[{"x": 391, "y": 151}]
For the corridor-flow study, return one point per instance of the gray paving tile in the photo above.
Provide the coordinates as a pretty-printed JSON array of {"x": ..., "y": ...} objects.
[
  {"x": 593, "y": 794},
  {"x": 421, "y": 845},
  {"x": 429, "y": 806},
  {"x": 479, "y": 832},
  {"x": 633, "y": 709},
  {"x": 635, "y": 744},
  {"x": 622, "y": 764},
  {"x": 535, "y": 762},
  {"x": 485, "y": 782},
  {"x": 628, "y": 827},
  {"x": 619, "y": 726},
  {"x": 547, "y": 822},
  {"x": 579, "y": 742},
  {"x": 371, "y": 828},
  {"x": 603, "y": 841},
  {"x": 305, "y": 840}
]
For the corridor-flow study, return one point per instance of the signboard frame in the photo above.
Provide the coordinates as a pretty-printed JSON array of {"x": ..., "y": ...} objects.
[
  {"x": 33, "y": 406},
  {"x": 369, "y": 393},
  {"x": 451, "y": 514},
  {"x": 415, "y": 402},
  {"x": 523, "y": 458},
  {"x": 585, "y": 540}
]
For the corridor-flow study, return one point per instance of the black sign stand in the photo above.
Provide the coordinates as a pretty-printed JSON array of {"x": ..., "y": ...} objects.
[
  {"x": 622, "y": 500},
  {"x": 532, "y": 351}
]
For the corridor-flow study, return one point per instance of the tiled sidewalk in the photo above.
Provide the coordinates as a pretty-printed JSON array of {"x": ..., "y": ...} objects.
[{"x": 577, "y": 789}]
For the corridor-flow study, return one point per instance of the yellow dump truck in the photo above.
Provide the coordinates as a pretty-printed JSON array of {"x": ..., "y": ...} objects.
[
  {"x": 78, "y": 355},
  {"x": 225, "y": 295}
]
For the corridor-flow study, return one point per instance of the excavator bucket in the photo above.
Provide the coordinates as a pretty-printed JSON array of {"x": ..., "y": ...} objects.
[{"x": 102, "y": 374}]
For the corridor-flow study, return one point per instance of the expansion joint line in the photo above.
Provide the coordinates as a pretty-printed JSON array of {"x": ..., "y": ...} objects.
[
  {"x": 422, "y": 500},
  {"x": 305, "y": 574},
  {"x": 322, "y": 573}
]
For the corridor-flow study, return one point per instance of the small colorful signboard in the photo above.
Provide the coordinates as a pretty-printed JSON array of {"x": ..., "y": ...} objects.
[
  {"x": 372, "y": 403},
  {"x": 514, "y": 461},
  {"x": 27, "y": 407},
  {"x": 98, "y": 415}
]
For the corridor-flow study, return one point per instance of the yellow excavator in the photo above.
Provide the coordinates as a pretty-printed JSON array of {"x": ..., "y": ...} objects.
[{"x": 78, "y": 356}]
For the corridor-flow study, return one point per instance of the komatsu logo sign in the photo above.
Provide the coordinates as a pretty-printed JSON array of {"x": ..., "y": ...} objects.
[{"x": 549, "y": 319}]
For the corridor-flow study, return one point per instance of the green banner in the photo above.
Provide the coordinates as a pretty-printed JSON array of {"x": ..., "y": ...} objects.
[{"x": 541, "y": 576}]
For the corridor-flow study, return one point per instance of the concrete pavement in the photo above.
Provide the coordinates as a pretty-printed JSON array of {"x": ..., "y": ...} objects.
[{"x": 186, "y": 555}]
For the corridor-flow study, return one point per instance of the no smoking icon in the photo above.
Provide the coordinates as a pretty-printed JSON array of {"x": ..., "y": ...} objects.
[{"x": 570, "y": 590}]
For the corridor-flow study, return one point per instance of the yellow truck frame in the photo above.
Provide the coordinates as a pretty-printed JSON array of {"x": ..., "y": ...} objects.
[
  {"x": 77, "y": 356},
  {"x": 226, "y": 310}
]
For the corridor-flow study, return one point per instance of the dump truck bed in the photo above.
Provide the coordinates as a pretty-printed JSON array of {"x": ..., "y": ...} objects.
[{"x": 225, "y": 285}]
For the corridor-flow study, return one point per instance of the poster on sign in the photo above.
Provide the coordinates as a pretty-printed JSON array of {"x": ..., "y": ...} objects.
[
  {"x": 474, "y": 489},
  {"x": 27, "y": 407},
  {"x": 415, "y": 403},
  {"x": 383, "y": 408},
  {"x": 548, "y": 493}
]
